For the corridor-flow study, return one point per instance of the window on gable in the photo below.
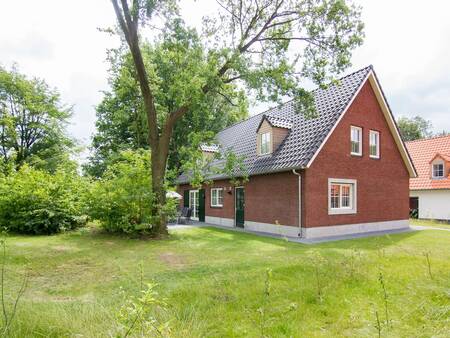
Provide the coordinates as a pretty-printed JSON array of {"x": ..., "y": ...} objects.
[
  {"x": 217, "y": 197},
  {"x": 438, "y": 170},
  {"x": 341, "y": 196},
  {"x": 374, "y": 138},
  {"x": 265, "y": 143},
  {"x": 356, "y": 140}
]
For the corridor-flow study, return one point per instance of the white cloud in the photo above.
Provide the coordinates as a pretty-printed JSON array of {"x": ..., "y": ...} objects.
[{"x": 406, "y": 41}]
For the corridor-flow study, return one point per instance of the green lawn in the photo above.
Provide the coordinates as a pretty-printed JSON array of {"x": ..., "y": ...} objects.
[
  {"x": 430, "y": 223},
  {"x": 214, "y": 281}
]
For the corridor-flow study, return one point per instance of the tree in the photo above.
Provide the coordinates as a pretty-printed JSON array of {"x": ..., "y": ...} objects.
[
  {"x": 414, "y": 128},
  {"x": 248, "y": 42},
  {"x": 32, "y": 122},
  {"x": 121, "y": 122}
]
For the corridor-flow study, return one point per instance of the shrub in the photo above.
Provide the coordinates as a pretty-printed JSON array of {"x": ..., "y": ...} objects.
[
  {"x": 122, "y": 199},
  {"x": 36, "y": 202}
]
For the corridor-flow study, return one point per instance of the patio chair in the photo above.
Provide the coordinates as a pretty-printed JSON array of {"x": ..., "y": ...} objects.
[{"x": 185, "y": 216}]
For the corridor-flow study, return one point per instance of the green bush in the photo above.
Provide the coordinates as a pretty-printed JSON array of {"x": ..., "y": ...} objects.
[
  {"x": 122, "y": 199},
  {"x": 36, "y": 202}
]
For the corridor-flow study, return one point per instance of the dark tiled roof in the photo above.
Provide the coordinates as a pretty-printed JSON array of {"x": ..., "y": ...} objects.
[
  {"x": 276, "y": 121},
  {"x": 306, "y": 134}
]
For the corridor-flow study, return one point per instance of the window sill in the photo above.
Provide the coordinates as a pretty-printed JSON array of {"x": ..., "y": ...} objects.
[
  {"x": 216, "y": 206},
  {"x": 341, "y": 211},
  {"x": 375, "y": 157},
  {"x": 357, "y": 155}
]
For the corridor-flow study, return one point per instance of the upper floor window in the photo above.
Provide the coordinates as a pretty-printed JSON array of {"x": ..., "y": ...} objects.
[
  {"x": 356, "y": 140},
  {"x": 374, "y": 138},
  {"x": 265, "y": 143},
  {"x": 438, "y": 170},
  {"x": 217, "y": 197}
]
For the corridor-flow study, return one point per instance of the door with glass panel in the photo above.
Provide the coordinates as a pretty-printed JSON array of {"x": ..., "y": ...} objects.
[{"x": 194, "y": 203}]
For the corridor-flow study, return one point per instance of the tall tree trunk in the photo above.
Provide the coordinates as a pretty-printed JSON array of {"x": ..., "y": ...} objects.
[{"x": 158, "y": 163}]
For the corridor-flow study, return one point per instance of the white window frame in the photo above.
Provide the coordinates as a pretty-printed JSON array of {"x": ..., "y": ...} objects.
[
  {"x": 359, "y": 130},
  {"x": 443, "y": 169},
  {"x": 377, "y": 144},
  {"x": 269, "y": 142},
  {"x": 216, "y": 203},
  {"x": 352, "y": 209}
]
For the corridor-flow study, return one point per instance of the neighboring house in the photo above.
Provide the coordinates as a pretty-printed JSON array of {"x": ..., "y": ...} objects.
[
  {"x": 430, "y": 191},
  {"x": 344, "y": 171}
]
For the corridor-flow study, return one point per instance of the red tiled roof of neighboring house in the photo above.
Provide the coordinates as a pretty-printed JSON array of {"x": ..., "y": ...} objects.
[{"x": 422, "y": 153}]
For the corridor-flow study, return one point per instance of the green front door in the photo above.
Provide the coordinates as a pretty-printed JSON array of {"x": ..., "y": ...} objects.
[
  {"x": 201, "y": 205},
  {"x": 240, "y": 204}
]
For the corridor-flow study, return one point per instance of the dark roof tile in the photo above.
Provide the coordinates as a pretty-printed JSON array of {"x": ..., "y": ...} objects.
[{"x": 306, "y": 134}]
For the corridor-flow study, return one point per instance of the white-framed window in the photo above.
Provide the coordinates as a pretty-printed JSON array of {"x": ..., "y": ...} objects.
[
  {"x": 438, "y": 170},
  {"x": 265, "y": 143},
  {"x": 374, "y": 144},
  {"x": 217, "y": 197},
  {"x": 356, "y": 140},
  {"x": 341, "y": 196}
]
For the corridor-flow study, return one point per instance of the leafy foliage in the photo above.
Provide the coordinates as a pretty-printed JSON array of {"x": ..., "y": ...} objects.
[
  {"x": 137, "y": 316},
  {"x": 121, "y": 121},
  {"x": 32, "y": 122},
  {"x": 34, "y": 201},
  {"x": 122, "y": 199},
  {"x": 414, "y": 128}
]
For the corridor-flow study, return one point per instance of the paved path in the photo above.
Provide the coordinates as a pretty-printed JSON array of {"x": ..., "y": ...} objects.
[
  {"x": 311, "y": 240},
  {"x": 422, "y": 227}
]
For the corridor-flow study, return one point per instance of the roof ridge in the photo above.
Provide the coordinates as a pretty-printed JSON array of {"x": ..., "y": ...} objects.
[
  {"x": 427, "y": 138},
  {"x": 290, "y": 100}
]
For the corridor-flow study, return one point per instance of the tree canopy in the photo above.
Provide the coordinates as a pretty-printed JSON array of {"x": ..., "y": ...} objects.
[
  {"x": 414, "y": 128},
  {"x": 268, "y": 48},
  {"x": 121, "y": 122},
  {"x": 32, "y": 123}
]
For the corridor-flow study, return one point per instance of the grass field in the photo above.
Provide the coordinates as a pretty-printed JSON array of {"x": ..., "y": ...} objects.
[
  {"x": 430, "y": 223},
  {"x": 213, "y": 282}
]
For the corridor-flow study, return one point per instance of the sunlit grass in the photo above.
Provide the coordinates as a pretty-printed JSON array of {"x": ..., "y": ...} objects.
[
  {"x": 430, "y": 223},
  {"x": 213, "y": 281}
]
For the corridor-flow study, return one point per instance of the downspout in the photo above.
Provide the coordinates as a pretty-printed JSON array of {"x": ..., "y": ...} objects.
[{"x": 299, "y": 201}]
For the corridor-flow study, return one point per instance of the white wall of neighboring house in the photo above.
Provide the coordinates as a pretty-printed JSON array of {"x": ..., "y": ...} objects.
[{"x": 433, "y": 204}]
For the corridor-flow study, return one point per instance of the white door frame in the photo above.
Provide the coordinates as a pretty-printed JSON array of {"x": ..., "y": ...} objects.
[{"x": 194, "y": 210}]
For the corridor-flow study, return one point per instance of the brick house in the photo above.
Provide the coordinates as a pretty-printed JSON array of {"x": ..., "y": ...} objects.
[
  {"x": 430, "y": 190},
  {"x": 346, "y": 170}
]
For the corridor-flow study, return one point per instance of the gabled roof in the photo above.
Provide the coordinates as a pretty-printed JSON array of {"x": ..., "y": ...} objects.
[
  {"x": 445, "y": 157},
  {"x": 423, "y": 152},
  {"x": 276, "y": 121},
  {"x": 307, "y": 135}
]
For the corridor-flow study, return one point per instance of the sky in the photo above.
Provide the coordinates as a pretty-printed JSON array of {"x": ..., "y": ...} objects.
[{"x": 407, "y": 42}]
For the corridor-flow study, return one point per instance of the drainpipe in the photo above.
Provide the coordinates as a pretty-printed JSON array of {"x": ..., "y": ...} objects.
[{"x": 299, "y": 201}]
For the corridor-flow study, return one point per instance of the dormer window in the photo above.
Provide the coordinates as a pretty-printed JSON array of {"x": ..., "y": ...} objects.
[
  {"x": 209, "y": 150},
  {"x": 271, "y": 133},
  {"x": 265, "y": 143},
  {"x": 439, "y": 166},
  {"x": 438, "y": 170}
]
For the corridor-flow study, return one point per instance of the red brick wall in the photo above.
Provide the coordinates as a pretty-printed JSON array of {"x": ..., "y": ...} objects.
[
  {"x": 382, "y": 184},
  {"x": 268, "y": 198},
  {"x": 271, "y": 198},
  {"x": 227, "y": 211}
]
